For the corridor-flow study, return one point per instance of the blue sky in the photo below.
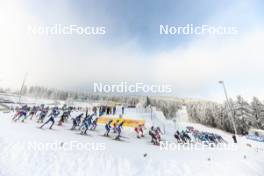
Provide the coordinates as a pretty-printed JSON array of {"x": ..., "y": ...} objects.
[
  {"x": 133, "y": 49},
  {"x": 139, "y": 20}
]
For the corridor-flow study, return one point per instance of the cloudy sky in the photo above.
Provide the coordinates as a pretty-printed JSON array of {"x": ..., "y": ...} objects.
[{"x": 132, "y": 49}]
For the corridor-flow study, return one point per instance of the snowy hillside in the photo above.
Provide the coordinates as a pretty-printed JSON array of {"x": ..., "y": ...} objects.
[
  {"x": 27, "y": 150},
  {"x": 105, "y": 156}
]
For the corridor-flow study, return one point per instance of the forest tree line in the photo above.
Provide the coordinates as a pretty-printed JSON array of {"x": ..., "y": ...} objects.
[
  {"x": 58, "y": 94},
  {"x": 169, "y": 107},
  {"x": 246, "y": 114}
]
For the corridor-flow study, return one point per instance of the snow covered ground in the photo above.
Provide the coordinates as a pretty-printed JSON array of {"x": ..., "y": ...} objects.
[{"x": 27, "y": 150}]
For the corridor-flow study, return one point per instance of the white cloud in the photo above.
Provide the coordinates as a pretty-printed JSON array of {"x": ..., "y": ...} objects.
[
  {"x": 199, "y": 66},
  {"x": 73, "y": 61}
]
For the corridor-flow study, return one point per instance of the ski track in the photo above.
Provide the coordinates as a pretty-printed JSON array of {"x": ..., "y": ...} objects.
[{"x": 119, "y": 158}]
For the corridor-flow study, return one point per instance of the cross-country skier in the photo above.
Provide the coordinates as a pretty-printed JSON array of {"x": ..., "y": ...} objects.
[
  {"x": 152, "y": 134},
  {"x": 139, "y": 131},
  {"x": 33, "y": 112},
  {"x": 234, "y": 138},
  {"x": 186, "y": 136},
  {"x": 220, "y": 139},
  {"x": 86, "y": 123},
  {"x": 183, "y": 137},
  {"x": 52, "y": 116},
  {"x": 119, "y": 129},
  {"x": 155, "y": 134},
  {"x": 16, "y": 114},
  {"x": 177, "y": 136},
  {"x": 76, "y": 121},
  {"x": 64, "y": 116},
  {"x": 42, "y": 115},
  {"x": 108, "y": 127},
  {"x": 115, "y": 124}
]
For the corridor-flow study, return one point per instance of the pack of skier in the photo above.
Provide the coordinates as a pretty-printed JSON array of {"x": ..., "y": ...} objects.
[
  {"x": 89, "y": 122},
  {"x": 21, "y": 113},
  {"x": 32, "y": 113},
  {"x": 117, "y": 127},
  {"x": 182, "y": 137}
]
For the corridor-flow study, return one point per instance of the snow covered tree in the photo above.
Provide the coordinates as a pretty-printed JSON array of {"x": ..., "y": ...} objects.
[
  {"x": 257, "y": 112},
  {"x": 243, "y": 115}
]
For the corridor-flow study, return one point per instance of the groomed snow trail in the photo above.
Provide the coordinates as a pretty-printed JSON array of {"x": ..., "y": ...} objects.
[{"x": 118, "y": 158}]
